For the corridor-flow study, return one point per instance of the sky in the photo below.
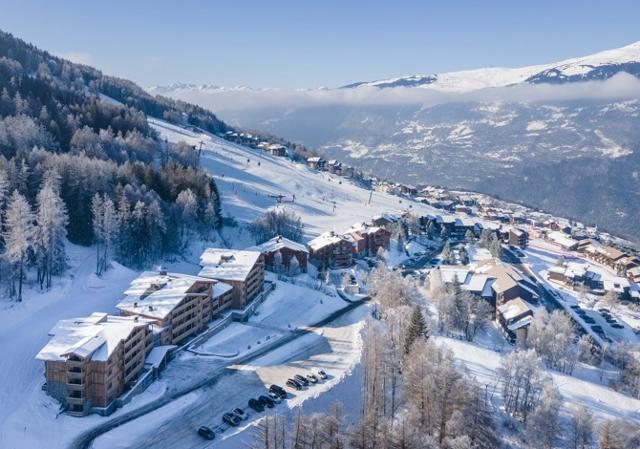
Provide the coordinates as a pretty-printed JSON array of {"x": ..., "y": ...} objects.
[{"x": 305, "y": 43}]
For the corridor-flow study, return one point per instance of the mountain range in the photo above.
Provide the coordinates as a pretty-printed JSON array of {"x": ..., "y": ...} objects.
[{"x": 563, "y": 137}]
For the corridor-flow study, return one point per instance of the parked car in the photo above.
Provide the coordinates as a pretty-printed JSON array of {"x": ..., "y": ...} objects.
[
  {"x": 603, "y": 309},
  {"x": 294, "y": 384},
  {"x": 231, "y": 419},
  {"x": 322, "y": 374},
  {"x": 266, "y": 401},
  {"x": 206, "y": 433},
  {"x": 239, "y": 413},
  {"x": 274, "y": 397},
  {"x": 277, "y": 389},
  {"x": 301, "y": 379},
  {"x": 312, "y": 378},
  {"x": 256, "y": 405},
  {"x": 617, "y": 326}
]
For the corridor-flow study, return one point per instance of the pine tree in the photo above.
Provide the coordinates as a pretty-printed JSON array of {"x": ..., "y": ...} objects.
[
  {"x": 18, "y": 237},
  {"x": 417, "y": 329},
  {"x": 50, "y": 232}
]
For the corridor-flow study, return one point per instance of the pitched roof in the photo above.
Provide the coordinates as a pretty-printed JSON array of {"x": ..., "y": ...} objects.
[
  {"x": 277, "y": 243},
  {"x": 155, "y": 294},
  {"x": 94, "y": 337},
  {"x": 515, "y": 308},
  {"x": 228, "y": 264},
  {"x": 325, "y": 239}
]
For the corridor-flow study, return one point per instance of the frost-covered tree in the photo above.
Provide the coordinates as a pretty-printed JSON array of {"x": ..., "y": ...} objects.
[
  {"x": 294, "y": 266},
  {"x": 277, "y": 262},
  {"x": 551, "y": 336},
  {"x": 188, "y": 207},
  {"x": 581, "y": 428},
  {"x": 18, "y": 238},
  {"x": 274, "y": 223},
  {"x": 105, "y": 229},
  {"x": 522, "y": 382},
  {"x": 50, "y": 232},
  {"x": 544, "y": 428}
]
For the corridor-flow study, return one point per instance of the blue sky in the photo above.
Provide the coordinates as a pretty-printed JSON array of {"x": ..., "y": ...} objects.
[{"x": 300, "y": 43}]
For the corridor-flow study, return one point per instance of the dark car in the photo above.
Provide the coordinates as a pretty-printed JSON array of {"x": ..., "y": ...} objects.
[
  {"x": 256, "y": 405},
  {"x": 274, "y": 397},
  {"x": 294, "y": 384},
  {"x": 617, "y": 326},
  {"x": 207, "y": 433},
  {"x": 322, "y": 374},
  {"x": 277, "y": 389},
  {"x": 231, "y": 419},
  {"x": 239, "y": 413},
  {"x": 312, "y": 378},
  {"x": 301, "y": 379},
  {"x": 266, "y": 401}
]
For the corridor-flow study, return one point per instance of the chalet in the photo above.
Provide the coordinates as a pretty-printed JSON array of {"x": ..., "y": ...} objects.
[
  {"x": 408, "y": 190},
  {"x": 562, "y": 240},
  {"x": 515, "y": 317},
  {"x": 367, "y": 240},
  {"x": 243, "y": 270},
  {"x": 330, "y": 250},
  {"x": 518, "y": 237},
  {"x": 178, "y": 305},
  {"x": 276, "y": 150},
  {"x": 334, "y": 166},
  {"x": 609, "y": 256},
  {"x": 386, "y": 221},
  {"x": 316, "y": 163},
  {"x": 279, "y": 253},
  {"x": 90, "y": 361}
]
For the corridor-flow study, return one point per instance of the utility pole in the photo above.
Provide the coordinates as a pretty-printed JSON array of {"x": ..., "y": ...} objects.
[{"x": 370, "y": 196}]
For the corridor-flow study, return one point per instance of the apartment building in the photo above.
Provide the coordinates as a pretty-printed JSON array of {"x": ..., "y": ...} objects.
[
  {"x": 367, "y": 240},
  {"x": 330, "y": 250},
  {"x": 90, "y": 361},
  {"x": 178, "y": 305},
  {"x": 242, "y": 270},
  {"x": 518, "y": 237}
]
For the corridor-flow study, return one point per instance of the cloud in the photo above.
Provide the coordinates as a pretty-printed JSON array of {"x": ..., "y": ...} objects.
[
  {"x": 78, "y": 57},
  {"x": 619, "y": 86}
]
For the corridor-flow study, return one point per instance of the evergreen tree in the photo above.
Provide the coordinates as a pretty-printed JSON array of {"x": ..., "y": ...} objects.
[
  {"x": 50, "y": 232},
  {"x": 417, "y": 329},
  {"x": 18, "y": 237}
]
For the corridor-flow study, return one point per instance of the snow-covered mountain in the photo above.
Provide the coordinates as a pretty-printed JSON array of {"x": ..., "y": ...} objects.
[
  {"x": 598, "y": 66},
  {"x": 563, "y": 136}
]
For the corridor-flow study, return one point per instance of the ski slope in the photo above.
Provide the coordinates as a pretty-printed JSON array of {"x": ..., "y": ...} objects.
[{"x": 248, "y": 179}]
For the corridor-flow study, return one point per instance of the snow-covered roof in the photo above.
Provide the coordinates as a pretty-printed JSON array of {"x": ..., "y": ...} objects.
[
  {"x": 228, "y": 264},
  {"x": 157, "y": 355},
  {"x": 522, "y": 322},
  {"x": 155, "y": 294},
  {"x": 219, "y": 289},
  {"x": 476, "y": 283},
  {"x": 325, "y": 239},
  {"x": 514, "y": 308},
  {"x": 277, "y": 243},
  {"x": 451, "y": 273},
  {"x": 94, "y": 337},
  {"x": 562, "y": 239}
]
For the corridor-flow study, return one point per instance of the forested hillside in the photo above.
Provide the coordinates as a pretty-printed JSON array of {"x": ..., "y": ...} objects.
[{"x": 79, "y": 160}]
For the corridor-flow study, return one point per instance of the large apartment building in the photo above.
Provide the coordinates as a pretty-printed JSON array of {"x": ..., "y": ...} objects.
[
  {"x": 178, "y": 305},
  {"x": 243, "y": 270},
  {"x": 90, "y": 361}
]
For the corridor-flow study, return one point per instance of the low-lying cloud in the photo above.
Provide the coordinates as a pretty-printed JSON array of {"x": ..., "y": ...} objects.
[{"x": 619, "y": 86}]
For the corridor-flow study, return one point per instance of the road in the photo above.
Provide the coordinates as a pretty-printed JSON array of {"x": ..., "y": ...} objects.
[{"x": 219, "y": 374}]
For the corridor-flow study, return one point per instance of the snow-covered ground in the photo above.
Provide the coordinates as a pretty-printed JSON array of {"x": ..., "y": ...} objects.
[
  {"x": 601, "y": 400},
  {"x": 28, "y": 417},
  {"x": 247, "y": 189}
]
